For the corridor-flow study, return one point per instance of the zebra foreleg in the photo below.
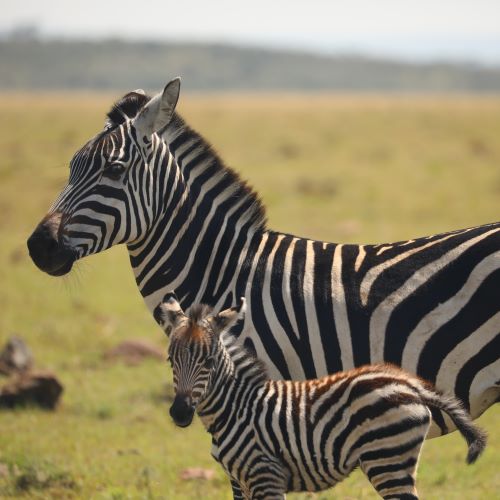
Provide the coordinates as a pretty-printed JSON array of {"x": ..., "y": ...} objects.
[
  {"x": 237, "y": 493},
  {"x": 257, "y": 490},
  {"x": 266, "y": 480}
]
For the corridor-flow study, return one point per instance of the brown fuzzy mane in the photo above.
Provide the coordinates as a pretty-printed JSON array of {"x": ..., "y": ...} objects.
[
  {"x": 245, "y": 359},
  {"x": 242, "y": 356},
  {"x": 198, "y": 312}
]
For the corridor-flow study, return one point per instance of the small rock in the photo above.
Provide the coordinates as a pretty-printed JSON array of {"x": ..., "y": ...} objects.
[
  {"x": 134, "y": 351},
  {"x": 40, "y": 388},
  {"x": 197, "y": 473},
  {"x": 16, "y": 357}
]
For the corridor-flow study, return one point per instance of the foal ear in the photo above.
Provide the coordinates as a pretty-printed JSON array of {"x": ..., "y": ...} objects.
[
  {"x": 168, "y": 313},
  {"x": 158, "y": 112},
  {"x": 228, "y": 317}
]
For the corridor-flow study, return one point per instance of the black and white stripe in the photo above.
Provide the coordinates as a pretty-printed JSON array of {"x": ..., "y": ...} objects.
[
  {"x": 272, "y": 437},
  {"x": 430, "y": 305}
]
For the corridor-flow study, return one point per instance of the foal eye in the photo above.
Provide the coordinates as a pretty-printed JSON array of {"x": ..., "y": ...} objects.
[
  {"x": 114, "y": 171},
  {"x": 209, "y": 362}
]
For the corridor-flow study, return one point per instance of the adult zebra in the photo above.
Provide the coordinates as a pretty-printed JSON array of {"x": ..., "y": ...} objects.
[{"x": 148, "y": 180}]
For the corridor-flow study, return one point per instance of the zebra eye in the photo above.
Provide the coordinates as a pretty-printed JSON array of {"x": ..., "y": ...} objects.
[
  {"x": 209, "y": 362},
  {"x": 114, "y": 171}
]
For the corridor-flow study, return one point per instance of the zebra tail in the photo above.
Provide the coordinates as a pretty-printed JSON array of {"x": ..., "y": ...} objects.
[{"x": 476, "y": 438}]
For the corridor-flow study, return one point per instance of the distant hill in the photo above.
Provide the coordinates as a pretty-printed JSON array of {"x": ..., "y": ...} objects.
[{"x": 113, "y": 64}]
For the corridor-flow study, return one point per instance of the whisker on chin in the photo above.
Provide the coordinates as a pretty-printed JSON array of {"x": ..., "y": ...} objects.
[{"x": 73, "y": 280}]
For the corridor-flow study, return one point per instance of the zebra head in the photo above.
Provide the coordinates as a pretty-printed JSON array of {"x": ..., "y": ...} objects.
[
  {"x": 194, "y": 350},
  {"x": 98, "y": 208}
]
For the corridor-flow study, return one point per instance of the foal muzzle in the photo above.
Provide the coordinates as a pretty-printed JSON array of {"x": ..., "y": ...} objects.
[{"x": 182, "y": 410}]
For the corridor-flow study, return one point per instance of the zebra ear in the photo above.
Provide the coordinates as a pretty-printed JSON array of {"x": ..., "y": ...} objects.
[
  {"x": 158, "y": 112},
  {"x": 228, "y": 317},
  {"x": 168, "y": 313}
]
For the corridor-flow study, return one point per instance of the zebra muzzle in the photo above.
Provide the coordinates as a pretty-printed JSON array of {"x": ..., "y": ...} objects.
[
  {"x": 182, "y": 410},
  {"x": 46, "y": 250}
]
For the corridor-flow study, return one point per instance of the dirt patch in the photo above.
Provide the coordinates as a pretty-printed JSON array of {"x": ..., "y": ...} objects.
[{"x": 134, "y": 351}]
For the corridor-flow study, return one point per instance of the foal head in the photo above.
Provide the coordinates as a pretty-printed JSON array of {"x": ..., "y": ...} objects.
[{"x": 193, "y": 347}]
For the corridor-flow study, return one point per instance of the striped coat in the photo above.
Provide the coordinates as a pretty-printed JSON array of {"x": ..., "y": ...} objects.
[
  {"x": 190, "y": 223},
  {"x": 277, "y": 436}
]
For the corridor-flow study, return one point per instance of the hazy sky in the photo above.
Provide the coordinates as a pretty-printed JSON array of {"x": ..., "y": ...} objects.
[{"x": 424, "y": 29}]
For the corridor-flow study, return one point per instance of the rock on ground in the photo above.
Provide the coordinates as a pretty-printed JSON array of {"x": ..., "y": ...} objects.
[
  {"x": 15, "y": 357},
  {"x": 40, "y": 388}
]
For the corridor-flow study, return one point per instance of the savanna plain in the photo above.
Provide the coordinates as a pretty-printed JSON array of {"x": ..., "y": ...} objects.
[{"x": 338, "y": 168}]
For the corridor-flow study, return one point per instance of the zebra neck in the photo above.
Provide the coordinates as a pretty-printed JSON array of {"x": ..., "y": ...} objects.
[
  {"x": 197, "y": 252},
  {"x": 235, "y": 384},
  {"x": 197, "y": 246},
  {"x": 207, "y": 175}
]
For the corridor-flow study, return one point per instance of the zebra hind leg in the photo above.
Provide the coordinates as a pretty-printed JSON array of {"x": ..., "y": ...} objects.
[
  {"x": 400, "y": 487},
  {"x": 393, "y": 474}
]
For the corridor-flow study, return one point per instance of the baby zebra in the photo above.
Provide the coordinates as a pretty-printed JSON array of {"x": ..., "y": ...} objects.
[{"x": 277, "y": 436}]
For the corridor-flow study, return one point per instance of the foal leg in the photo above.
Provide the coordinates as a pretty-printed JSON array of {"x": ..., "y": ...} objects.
[
  {"x": 393, "y": 474},
  {"x": 237, "y": 493},
  {"x": 266, "y": 480}
]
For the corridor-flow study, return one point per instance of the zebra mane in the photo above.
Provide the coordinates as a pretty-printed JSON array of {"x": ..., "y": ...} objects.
[
  {"x": 214, "y": 167},
  {"x": 130, "y": 105},
  {"x": 245, "y": 360},
  {"x": 197, "y": 312},
  {"x": 127, "y": 107}
]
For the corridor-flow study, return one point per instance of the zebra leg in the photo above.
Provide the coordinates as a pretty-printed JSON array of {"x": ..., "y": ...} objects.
[
  {"x": 235, "y": 486},
  {"x": 266, "y": 480},
  {"x": 400, "y": 487},
  {"x": 268, "y": 494},
  {"x": 390, "y": 463},
  {"x": 263, "y": 489},
  {"x": 237, "y": 493},
  {"x": 395, "y": 481},
  {"x": 393, "y": 476}
]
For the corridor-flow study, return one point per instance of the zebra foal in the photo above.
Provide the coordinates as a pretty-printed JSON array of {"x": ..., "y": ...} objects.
[{"x": 277, "y": 436}]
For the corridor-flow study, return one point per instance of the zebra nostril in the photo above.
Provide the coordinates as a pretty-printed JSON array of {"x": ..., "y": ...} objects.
[
  {"x": 35, "y": 245},
  {"x": 47, "y": 253},
  {"x": 41, "y": 244},
  {"x": 182, "y": 411},
  {"x": 51, "y": 244}
]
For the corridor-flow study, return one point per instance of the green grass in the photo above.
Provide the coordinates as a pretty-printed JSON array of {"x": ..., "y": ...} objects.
[{"x": 365, "y": 169}]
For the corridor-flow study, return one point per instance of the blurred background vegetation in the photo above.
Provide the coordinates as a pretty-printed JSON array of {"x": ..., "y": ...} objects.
[
  {"x": 30, "y": 62},
  {"x": 337, "y": 167},
  {"x": 362, "y": 122}
]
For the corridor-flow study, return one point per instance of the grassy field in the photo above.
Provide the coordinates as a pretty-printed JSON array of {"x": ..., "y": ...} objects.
[{"x": 339, "y": 168}]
